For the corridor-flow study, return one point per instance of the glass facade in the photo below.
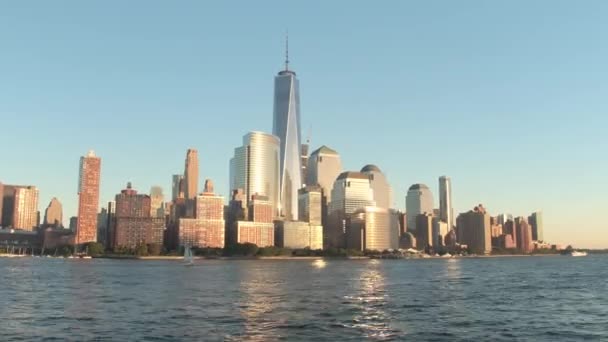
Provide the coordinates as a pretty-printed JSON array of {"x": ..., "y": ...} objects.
[
  {"x": 419, "y": 200},
  {"x": 446, "y": 210},
  {"x": 286, "y": 126},
  {"x": 255, "y": 167},
  {"x": 373, "y": 228},
  {"x": 383, "y": 194}
]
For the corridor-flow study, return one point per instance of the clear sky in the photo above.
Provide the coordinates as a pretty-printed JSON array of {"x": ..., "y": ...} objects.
[{"x": 509, "y": 98}]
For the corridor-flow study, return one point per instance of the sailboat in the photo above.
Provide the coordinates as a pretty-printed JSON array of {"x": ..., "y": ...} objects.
[{"x": 188, "y": 259}]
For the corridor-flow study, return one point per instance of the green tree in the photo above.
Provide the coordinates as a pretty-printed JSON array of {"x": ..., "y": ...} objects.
[{"x": 94, "y": 248}]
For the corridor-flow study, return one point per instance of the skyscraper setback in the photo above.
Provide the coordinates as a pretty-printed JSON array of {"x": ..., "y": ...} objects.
[
  {"x": 286, "y": 126},
  {"x": 191, "y": 174},
  {"x": 88, "y": 198}
]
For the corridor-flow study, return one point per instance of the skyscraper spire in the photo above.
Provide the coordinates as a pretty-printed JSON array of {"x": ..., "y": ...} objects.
[{"x": 286, "y": 50}]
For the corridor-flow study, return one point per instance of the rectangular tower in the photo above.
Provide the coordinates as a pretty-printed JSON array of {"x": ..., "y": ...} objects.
[{"x": 88, "y": 199}]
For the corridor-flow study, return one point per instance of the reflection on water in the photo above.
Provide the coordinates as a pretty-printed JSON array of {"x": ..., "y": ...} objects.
[{"x": 319, "y": 263}]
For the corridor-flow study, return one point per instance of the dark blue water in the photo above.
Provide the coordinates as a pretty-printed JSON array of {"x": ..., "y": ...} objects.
[{"x": 502, "y": 299}]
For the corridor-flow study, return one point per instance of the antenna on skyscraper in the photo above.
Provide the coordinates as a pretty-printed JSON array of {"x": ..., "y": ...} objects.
[{"x": 287, "y": 50}]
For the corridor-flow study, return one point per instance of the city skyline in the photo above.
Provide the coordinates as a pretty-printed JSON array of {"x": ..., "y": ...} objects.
[{"x": 473, "y": 144}]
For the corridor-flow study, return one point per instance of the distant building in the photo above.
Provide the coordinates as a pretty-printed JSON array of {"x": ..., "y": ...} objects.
[
  {"x": 88, "y": 199},
  {"x": 419, "y": 200},
  {"x": 504, "y": 241},
  {"x": 298, "y": 234},
  {"x": 496, "y": 230},
  {"x": 304, "y": 162},
  {"x": 446, "y": 210},
  {"x": 351, "y": 191},
  {"x": 509, "y": 228},
  {"x": 258, "y": 233},
  {"x": 259, "y": 227},
  {"x": 503, "y": 218},
  {"x": 474, "y": 230},
  {"x": 255, "y": 168},
  {"x": 524, "y": 235},
  {"x": 191, "y": 174},
  {"x": 536, "y": 221},
  {"x": 373, "y": 228},
  {"x": 25, "y": 208},
  {"x": 208, "y": 228},
  {"x": 134, "y": 226},
  {"x": 407, "y": 241},
  {"x": 424, "y": 231},
  {"x": 440, "y": 230},
  {"x": 157, "y": 202},
  {"x": 53, "y": 215},
  {"x": 311, "y": 204},
  {"x": 324, "y": 166},
  {"x": 383, "y": 193},
  {"x": 177, "y": 187},
  {"x": 73, "y": 224}
]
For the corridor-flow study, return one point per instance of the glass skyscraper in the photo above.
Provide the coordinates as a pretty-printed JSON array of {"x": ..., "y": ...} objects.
[
  {"x": 255, "y": 168},
  {"x": 419, "y": 200},
  {"x": 446, "y": 210},
  {"x": 286, "y": 126}
]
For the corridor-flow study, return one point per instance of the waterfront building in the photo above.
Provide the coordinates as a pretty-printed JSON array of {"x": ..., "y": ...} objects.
[
  {"x": 351, "y": 191},
  {"x": 510, "y": 229},
  {"x": 504, "y": 241},
  {"x": 133, "y": 224},
  {"x": 524, "y": 235},
  {"x": 373, "y": 228},
  {"x": 424, "y": 231},
  {"x": 383, "y": 194},
  {"x": 286, "y": 126},
  {"x": 88, "y": 199},
  {"x": 177, "y": 187},
  {"x": 324, "y": 166},
  {"x": 440, "y": 230},
  {"x": 20, "y": 207},
  {"x": 496, "y": 230},
  {"x": 536, "y": 222},
  {"x": 311, "y": 204},
  {"x": 255, "y": 168},
  {"x": 298, "y": 234},
  {"x": 258, "y": 233},
  {"x": 407, "y": 241},
  {"x": 474, "y": 230},
  {"x": 419, "y": 200},
  {"x": 446, "y": 210},
  {"x": 191, "y": 174},
  {"x": 157, "y": 202},
  {"x": 208, "y": 228},
  {"x": 53, "y": 215}
]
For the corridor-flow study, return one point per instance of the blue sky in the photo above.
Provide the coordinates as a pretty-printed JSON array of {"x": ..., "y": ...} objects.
[{"x": 508, "y": 98}]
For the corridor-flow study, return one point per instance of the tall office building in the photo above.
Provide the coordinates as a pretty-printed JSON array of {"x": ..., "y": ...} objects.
[
  {"x": 304, "y": 162},
  {"x": 134, "y": 225},
  {"x": 53, "y": 215},
  {"x": 474, "y": 230},
  {"x": 259, "y": 229},
  {"x": 419, "y": 200},
  {"x": 383, "y": 194},
  {"x": 373, "y": 228},
  {"x": 524, "y": 235},
  {"x": 446, "y": 210},
  {"x": 25, "y": 210},
  {"x": 286, "y": 126},
  {"x": 255, "y": 168},
  {"x": 351, "y": 191},
  {"x": 424, "y": 231},
  {"x": 536, "y": 221},
  {"x": 177, "y": 187},
  {"x": 311, "y": 204},
  {"x": 157, "y": 205},
  {"x": 88, "y": 198},
  {"x": 207, "y": 229},
  {"x": 191, "y": 174},
  {"x": 324, "y": 166}
]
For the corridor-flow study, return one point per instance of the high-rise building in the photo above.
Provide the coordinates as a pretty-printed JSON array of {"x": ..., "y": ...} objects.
[
  {"x": 157, "y": 204},
  {"x": 446, "y": 210},
  {"x": 53, "y": 215},
  {"x": 255, "y": 168},
  {"x": 286, "y": 126},
  {"x": 424, "y": 231},
  {"x": 25, "y": 210},
  {"x": 324, "y": 166},
  {"x": 134, "y": 226},
  {"x": 474, "y": 230},
  {"x": 88, "y": 199},
  {"x": 503, "y": 218},
  {"x": 351, "y": 191},
  {"x": 524, "y": 235},
  {"x": 304, "y": 162},
  {"x": 207, "y": 229},
  {"x": 440, "y": 231},
  {"x": 536, "y": 221},
  {"x": 373, "y": 228},
  {"x": 419, "y": 200},
  {"x": 177, "y": 187},
  {"x": 383, "y": 194},
  {"x": 311, "y": 205},
  {"x": 191, "y": 174}
]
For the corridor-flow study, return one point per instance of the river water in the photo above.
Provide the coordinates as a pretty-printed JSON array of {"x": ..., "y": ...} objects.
[{"x": 501, "y": 299}]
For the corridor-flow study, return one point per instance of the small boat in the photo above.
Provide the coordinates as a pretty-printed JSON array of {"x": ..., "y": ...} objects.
[
  {"x": 188, "y": 259},
  {"x": 577, "y": 254}
]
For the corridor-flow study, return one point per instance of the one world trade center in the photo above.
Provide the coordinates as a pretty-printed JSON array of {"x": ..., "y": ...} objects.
[{"x": 286, "y": 126}]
